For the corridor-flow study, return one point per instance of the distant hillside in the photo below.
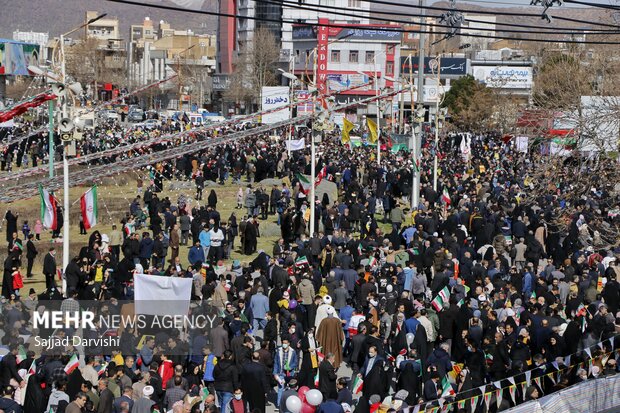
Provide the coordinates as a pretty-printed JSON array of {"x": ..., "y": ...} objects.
[{"x": 58, "y": 16}]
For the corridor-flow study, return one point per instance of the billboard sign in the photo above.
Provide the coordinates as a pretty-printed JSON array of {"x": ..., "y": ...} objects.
[
  {"x": 450, "y": 66},
  {"x": 304, "y": 107},
  {"x": 273, "y": 97},
  {"x": 220, "y": 82},
  {"x": 376, "y": 33},
  {"x": 504, "y": 77},
  {"x": 15, "y": 57},
  {"x": 338, "y": 82}
]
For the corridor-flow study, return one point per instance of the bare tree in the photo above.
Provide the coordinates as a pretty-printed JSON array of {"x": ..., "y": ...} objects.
[
  {"x": 254, "y": 68},
  {"x": 81, "y": 61}
]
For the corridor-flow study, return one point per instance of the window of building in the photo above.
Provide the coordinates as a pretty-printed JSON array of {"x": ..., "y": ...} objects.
[
  {"x": 353, "y": 56},
  {"x": 370, "y": 57},
  {"x": 389, "y": 67},
  {"x": 335, "y": 56},
  {"x": 355, "y": 4}
]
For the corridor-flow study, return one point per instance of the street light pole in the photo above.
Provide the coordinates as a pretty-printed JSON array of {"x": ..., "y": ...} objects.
[
  {"x": 436, "y": 161},
  {"x": 65, "y": 171},
  {"x": 65, "y": 163},
  {"x": 378, "y": 113},
  {"x": 417, "y": 147},
  {"x": 50, "y": 140}
]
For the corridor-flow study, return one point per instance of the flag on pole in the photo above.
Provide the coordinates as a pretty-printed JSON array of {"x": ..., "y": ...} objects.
[
  {"x": 72, "y": 364},
  {"x": 304, "y": 183},
  {"x": 21, "y": 354},
  {"x": 347, "y": 127},
  {"x": 442, "y": 297},
  {"x": 319, "y": 178},
  {"x": 584, "y": 324},
  {"x": 88, "y": 205},
  {"x": 33, "y": 368},
  {"x": 358, "y": 385},
  {"x": 372, "y": 129},
  {"x": 445, "y": 196},
  {"x": 102, "y": 368},
  {"x": 373, "y": 261},
  {"x": 446, "y": 388},
  {"x": 48, "y": 209},
  {"x": 360, "y": 248},
  {"x": 301, "y": 261}
]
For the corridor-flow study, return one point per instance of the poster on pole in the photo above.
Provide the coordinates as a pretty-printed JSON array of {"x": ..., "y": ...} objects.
[{"x": 273, "y": 97}]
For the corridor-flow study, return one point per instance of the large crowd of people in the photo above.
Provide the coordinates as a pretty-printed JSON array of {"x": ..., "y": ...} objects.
[{"x": 493, "y": 285}]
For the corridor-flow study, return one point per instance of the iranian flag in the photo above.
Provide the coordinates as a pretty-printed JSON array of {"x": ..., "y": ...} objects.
[
  {"x": 320, "y": 356},
  {"x": 446, "y": 388},
  {"x": 358, "y": 385},
  {"x": 442, "y": 297},
  {"x": 21, "y": 354},
  {"x": 48, "y": 209},
  {"x": 581, "y": 311},
  {"x": 373, "y": 262},
  {"x": 33, "y": 368},
  {"x": 72, "y": 364},
  {"x": 88, "y": 205},
  {"x": 360, "y": 248},
  {"x": 304, "y": 184},
  {"x": 316, "y": 378},
  {"x": 445, "y": 196},
  {"x": 301, "y": 261}
]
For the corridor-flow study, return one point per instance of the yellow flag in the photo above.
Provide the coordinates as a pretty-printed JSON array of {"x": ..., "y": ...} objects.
[
  {"x": 347, "y": 127},
  {"x": 372, "y": 129}
]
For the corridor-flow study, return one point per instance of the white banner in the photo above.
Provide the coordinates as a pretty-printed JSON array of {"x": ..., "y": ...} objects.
[
  {"x": 504, "y": 77},
  {"x": 295, "y": 145},
  {"x": 159, "y": 295},
  {"x": 273, "y": 97}
]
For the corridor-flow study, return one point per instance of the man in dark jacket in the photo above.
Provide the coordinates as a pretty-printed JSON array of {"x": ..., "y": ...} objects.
[
  {"x": 8, "y": 367},
  {"x": 49, "y": 268},
  {"x": 501, "y": 361},
  {"x": 31, "y": 253},
  {"x": 254, "y": 383},
  {"x": 226, "y": 378},
  {"x": 327, "y": 377},
  {"x": 106, "y": 398}
]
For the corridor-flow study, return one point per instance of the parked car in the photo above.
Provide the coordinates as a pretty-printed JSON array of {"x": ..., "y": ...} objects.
[{"x": 135, "y": 115}]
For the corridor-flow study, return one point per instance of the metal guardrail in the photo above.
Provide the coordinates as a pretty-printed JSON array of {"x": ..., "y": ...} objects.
[{"x": 593, "y": 396}]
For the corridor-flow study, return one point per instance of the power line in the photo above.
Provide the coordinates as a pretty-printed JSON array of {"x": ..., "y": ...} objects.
[
  {"x": 599, "y": 5},
  {"x": 333, "y": 25},
  {"x": 494, "y": 13},
  {"x": 512, "y": 4},
  {"x": 348, "y": 12}
]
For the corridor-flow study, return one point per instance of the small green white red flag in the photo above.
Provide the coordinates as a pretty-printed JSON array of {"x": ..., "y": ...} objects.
[
  {"x": 72, "y": 364},
  {"x": 88, "y": 205},
  {"x": 358, "y": 385}
]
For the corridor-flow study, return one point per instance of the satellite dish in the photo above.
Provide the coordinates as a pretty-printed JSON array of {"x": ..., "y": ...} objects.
[{"x": 66, "y": 125}]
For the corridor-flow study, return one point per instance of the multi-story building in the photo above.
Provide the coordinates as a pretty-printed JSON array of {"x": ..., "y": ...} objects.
[
  {"x": 156, "y": 53},
  {"x": 104, "y": 29},
  {"x": 347, "y": 59}
]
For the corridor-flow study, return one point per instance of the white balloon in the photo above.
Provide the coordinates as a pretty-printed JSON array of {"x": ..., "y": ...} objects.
[
  {"x": 314, "y": 397},
  {"x": 293, "y": 404}
]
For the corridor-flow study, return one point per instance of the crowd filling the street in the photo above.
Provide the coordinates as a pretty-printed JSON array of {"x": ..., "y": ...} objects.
[{"x": 497, "y": 288}]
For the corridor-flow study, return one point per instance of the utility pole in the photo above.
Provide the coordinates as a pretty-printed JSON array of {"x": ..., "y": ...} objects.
[
  {"x": 417, "y": 147},
  {"x": 377, "y": 102},
  {"x": 436, "y": 160},
  {"x": 50, "y": 141}
]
